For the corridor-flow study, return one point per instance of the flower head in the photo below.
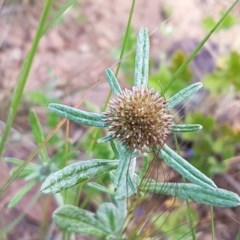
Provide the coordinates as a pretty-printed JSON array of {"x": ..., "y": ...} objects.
[{"x": 139, "y": 118}]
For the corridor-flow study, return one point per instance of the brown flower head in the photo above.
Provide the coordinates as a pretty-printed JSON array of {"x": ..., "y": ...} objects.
[{"x": 139, "y": 118}]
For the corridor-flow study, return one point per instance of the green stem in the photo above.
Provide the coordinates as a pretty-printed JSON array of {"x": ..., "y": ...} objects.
[
  {"x": 23, "y": 76},
  {"x": 212, "y": 223},
  {"x": 190, "y": 218},
  {"x": 125, "y": 36},
  {"x": 118, "y": 67}
]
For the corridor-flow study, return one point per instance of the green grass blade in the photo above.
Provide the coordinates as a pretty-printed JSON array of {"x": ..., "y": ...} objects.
[
  {"x": 125, "y": 36},
  {"x": 200, "y": 45},
  {"x": 38, "y": 134},
  {"x": 20, "y": 194},
  {"x": 23, "y": 76},
  {"x": 58, "y": 15}
]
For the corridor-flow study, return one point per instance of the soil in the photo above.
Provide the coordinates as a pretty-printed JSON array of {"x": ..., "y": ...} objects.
[{"x": 71, "y": 60}]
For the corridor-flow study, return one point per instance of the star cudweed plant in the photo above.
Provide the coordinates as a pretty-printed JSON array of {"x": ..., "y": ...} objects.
[{"x": 138, "y": 120}]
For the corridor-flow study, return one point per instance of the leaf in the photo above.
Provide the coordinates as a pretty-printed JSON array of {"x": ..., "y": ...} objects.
[
  {"x": 20, "y": 194},
  {"x": 113, "y": 82},
  {"x": 184, "y": 168},
  {"x": 77, "y": 220},
  {"x": 183, "y": 94},
  {"x": 108, "y": 215},
  {"x": 229, "y": 21},
  {"x": 185, "y": 127},
  {"x": 78, "y": 116},
  {"x": 100, "y": 188},
  {"x": 38, "y": 134},
  {"x": 106, "y": 138},
  {"x": 215, "y": 196},
  {"x": 142, "y": 59},
  {"x": 122, "y": 170},
  {"x": 76, "y": 173},
  {"x": 58, "y": 15},
  {"x": 29, "y": 172}
]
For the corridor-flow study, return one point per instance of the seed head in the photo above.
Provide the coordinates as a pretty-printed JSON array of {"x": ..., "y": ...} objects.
[{"x": 139, "y": 118}]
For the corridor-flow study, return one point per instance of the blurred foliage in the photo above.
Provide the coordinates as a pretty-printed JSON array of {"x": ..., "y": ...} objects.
[
  {"x": 214, "y": 145},
  {"x": 209, "y": 22},
  {"x": 128, "y": 63},
  {"x": 163, "y": 76},
  {"x": 175, "y": 225},
  {"x": 227, "y": 74}
]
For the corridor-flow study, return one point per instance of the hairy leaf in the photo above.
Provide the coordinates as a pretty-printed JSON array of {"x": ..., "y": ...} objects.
[
  {"x": 78, "y": 116},
  {"x": 142, "y": 58},
  {"x": 77, "y": 220},
  {"x": 76, "y": 173},
  {"x": 217, "y": 197},
  {"x": 183, "y": 94}
]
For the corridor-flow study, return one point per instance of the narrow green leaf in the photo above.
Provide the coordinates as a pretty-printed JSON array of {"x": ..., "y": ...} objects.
[
  {"x": 217, "y": 197},
  {"x": 29, "y": 172},
  {"x": 142, "y": 59},
  {"x": 77, "y": 220},
  {"x": 23, "y": 77},
  {"x": 38, "y": 134},
  {"x": 105, "y": 139},
  {"x": 78, "y": 116},
  {"x": 20, "y": 194},
  {"x": 183, "y": 94},
  {"x": 58, "y": 15},
  {"x": 76, "y": 173},
  {"x": 113, "y": 82},
  {"x": 130, "y": 182},
  {"x": 122, "y": 170},
  {"x": 183, "y": 167},
  {"x": 185, "y": 127}
]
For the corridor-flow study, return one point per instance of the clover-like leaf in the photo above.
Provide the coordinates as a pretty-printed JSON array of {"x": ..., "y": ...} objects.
[
  {"x": 108, "y": 215},
  {"x": 217, "y": 197},
  {"x": 77, "y": 220},
  {"x": 76, "y": 173}
]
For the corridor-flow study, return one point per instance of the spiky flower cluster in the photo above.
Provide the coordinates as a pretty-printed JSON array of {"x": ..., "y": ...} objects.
[{"x": 139, "y": 118}]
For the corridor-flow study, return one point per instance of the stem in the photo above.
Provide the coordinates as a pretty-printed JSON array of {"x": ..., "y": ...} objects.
[
  {"x": 118, "y": 67},
  {"x": 212, "y": 223},
  {"x": 199, "y": 46},
  {"x": 23, "y": 76}
]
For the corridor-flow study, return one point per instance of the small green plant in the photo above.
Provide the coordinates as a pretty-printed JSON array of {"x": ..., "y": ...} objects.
[{"x": 138, "y": 121}]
